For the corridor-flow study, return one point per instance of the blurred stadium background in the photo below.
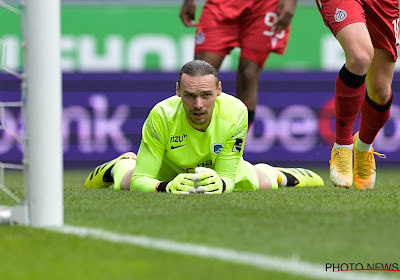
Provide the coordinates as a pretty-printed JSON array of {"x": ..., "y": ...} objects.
[{"x": 120, "y": 58}]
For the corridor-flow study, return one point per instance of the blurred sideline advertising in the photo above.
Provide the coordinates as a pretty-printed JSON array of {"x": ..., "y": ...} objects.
[
  {"x": 103, "y": 115},
  {"x": 139, "y": 38}
]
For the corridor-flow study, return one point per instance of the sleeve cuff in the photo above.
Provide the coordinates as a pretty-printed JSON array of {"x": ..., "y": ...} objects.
[{"x": 161, "y": 187}]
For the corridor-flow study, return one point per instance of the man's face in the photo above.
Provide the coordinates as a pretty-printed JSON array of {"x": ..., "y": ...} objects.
[{"x": 198, "y": 97}]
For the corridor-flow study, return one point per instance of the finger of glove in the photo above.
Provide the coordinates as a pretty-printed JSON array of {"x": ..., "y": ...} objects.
[
  {"x": 208, "y": 188},
  {"x": 179, "y": 191},
  {"x": 208, "y": 181},
  {"x": 184, "y": 182},
  {"x": 206, "y": 174}
]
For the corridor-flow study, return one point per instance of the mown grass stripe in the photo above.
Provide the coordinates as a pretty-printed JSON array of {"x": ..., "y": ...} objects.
[{"x": 265, "y": 262}]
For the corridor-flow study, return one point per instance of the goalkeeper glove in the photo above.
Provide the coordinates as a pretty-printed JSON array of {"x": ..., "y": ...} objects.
[
  {"x": 181, "y": 184},
  {"x": 210, "y": 182}
]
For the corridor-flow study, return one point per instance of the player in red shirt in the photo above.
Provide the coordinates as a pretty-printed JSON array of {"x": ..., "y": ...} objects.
[
  {"x": 258, "y": 27},
  {"x": 368, "y": 31}
]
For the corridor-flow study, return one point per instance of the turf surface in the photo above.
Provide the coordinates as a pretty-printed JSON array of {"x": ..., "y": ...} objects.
[{"x": 317, "y": 225}]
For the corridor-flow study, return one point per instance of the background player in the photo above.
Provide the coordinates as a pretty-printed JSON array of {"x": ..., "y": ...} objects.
[
  {"x": 258, "y": 27},
  {"x": 368, "y": 31},
  {"x": 199, "y": 127}
]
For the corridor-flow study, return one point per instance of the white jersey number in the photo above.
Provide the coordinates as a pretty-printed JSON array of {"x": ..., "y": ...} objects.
[{"x": 269, "y": 20}]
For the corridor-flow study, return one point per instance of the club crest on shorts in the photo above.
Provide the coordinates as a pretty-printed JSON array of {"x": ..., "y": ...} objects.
[
  {"x": 340, "y": 15},
  {"x": 200, "y": 38},
  {"x": 217, "y": 148}
]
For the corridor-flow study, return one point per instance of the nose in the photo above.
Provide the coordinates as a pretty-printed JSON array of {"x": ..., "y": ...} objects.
[{"x": 198, "y": 103}]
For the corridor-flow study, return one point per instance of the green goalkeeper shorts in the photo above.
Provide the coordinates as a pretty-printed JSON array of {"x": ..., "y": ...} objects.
[{"x": 246, "y": 177}]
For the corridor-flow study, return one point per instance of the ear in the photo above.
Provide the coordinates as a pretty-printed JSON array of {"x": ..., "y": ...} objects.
[
  {"x": 219, "y": 89},
  {"x": 177, "y": 89}
]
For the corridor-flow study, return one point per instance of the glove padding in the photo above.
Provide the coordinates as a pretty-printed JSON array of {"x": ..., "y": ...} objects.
[
  {"x": 209, "y": 182},
  {"x": 182, "y": 184}
]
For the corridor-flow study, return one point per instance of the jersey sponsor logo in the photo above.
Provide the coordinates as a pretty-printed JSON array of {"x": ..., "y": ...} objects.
[
  {"x": 237, "y": 147},
  {"x": 217, "y": 148},
  {"x": 340, "y": 15},
  {"x": 175, "y": 147},
  {"x": 200, "y": 38},
  {"x": 177, "y": 139},
  {"x": 207, "y": 163}
]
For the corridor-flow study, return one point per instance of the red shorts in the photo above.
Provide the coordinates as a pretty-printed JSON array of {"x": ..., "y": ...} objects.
[
  {"x": 226, "y": 24},
  {"x": 380, "y": 16}
]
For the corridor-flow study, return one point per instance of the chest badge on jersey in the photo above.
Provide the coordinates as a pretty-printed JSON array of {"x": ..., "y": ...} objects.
[
  {"x": 340, "y": 15},
  {"x": 237, "y": 147},
  {"x": 217, "y": 148}
]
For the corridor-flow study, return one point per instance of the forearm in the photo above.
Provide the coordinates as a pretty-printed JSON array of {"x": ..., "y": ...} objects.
[{"x": 141, "y": 183}]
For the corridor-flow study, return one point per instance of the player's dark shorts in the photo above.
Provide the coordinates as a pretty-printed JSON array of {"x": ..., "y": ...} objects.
[
  {"x": 226, "y": 24},
  {"x": 380, "y": 16}
]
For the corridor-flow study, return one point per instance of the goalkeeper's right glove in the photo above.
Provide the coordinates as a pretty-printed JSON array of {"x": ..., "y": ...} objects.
[
  {"x": 210, "y": 182},
  {"x": 181, "y": 184}
]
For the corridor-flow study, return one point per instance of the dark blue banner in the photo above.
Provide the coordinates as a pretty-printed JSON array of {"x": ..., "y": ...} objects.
[{"x": 103, "y": 115}]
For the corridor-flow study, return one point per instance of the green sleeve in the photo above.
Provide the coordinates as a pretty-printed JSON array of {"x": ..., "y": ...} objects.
[
  {"x": 227, "y": 161},
  {"x": 150, "y": 154}
]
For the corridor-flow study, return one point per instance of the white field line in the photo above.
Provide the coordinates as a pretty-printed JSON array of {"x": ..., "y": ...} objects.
[{"x": 261, "y": 261}]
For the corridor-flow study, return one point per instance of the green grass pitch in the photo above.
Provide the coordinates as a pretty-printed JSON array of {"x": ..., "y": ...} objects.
[{"x": 316, "y": 225}]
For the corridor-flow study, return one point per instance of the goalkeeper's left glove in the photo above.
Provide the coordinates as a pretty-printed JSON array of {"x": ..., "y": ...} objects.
[{"x": 210, "y": 182}]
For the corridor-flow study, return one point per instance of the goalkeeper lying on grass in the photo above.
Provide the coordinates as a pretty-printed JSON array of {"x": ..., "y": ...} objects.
[{"x": 200, "y": 127}]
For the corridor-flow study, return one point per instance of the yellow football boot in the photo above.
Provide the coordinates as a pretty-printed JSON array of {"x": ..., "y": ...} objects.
[
  {"x": 101, "y": 177},
  {"x": 341, "y": 167},
  {"x": 364, "y": 167},
  {"x": 301, "y": 177}
]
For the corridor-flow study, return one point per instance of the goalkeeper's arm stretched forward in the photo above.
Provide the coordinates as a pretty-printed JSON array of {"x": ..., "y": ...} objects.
[{"x": 199, "y": 127}]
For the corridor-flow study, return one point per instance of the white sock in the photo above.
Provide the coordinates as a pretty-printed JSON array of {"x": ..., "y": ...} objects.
[
  {"x": 284, "y": 179},
  {"x": 361, "y": 146},
  {"x": 337, "y": 146}
]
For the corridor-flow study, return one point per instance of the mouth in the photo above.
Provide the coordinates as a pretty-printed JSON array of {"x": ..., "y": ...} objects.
[{"x": 198, "y": 115}]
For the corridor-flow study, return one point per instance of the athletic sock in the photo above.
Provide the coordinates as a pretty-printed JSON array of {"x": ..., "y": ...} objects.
[
  {"x": 270, "y": 172},
  {"x": 361, "y": 146},
  {"x": 119, "y": 170},
  {"x": 349, "y": 95},
  {"x": 373, "y": 118},
  {"x": 282, "y": 179},
  {"x": 337, "y": 146}
]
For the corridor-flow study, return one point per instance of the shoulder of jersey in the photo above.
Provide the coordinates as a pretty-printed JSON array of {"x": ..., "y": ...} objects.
[
  {"x": 230, "y": 107},
  {"x": 168, "y": 107}
]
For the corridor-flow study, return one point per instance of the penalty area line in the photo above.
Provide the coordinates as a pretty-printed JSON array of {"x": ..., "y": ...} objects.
[{"x": 261, "y": 261}]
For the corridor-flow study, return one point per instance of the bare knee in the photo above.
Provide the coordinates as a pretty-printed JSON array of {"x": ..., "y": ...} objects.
[
  {"x": 263, "y": 182},
  {"x": 126, "y": 181},
  {"x": 358, "y": 61}
]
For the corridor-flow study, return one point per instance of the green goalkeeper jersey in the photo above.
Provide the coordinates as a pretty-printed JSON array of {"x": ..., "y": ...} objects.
[{"x": 170, "y": 145}]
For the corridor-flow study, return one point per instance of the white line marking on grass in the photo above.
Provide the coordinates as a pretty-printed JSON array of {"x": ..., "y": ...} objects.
[{"x": 261, "y": 261}]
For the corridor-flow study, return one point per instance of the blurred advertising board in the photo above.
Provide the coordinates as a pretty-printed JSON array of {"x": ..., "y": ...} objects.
[
  {"x": 103, "y": 115},
  {"x": 135, "y": 38}
]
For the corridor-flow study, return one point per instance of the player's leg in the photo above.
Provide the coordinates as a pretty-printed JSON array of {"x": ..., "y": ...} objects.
[
  {"x": 103, "y": 175},
  {"x": 247, "y": 79},
  {"x": 375, "y": 111},
  {"x": 257, "y": 41},
  {"x": 214, "y": 59},
  {"x": 267, "y": 176},
  {"x": 274, "y": 177},
  {"x": 383, "y": 25},
  {"x": 349, "y": 94}
]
